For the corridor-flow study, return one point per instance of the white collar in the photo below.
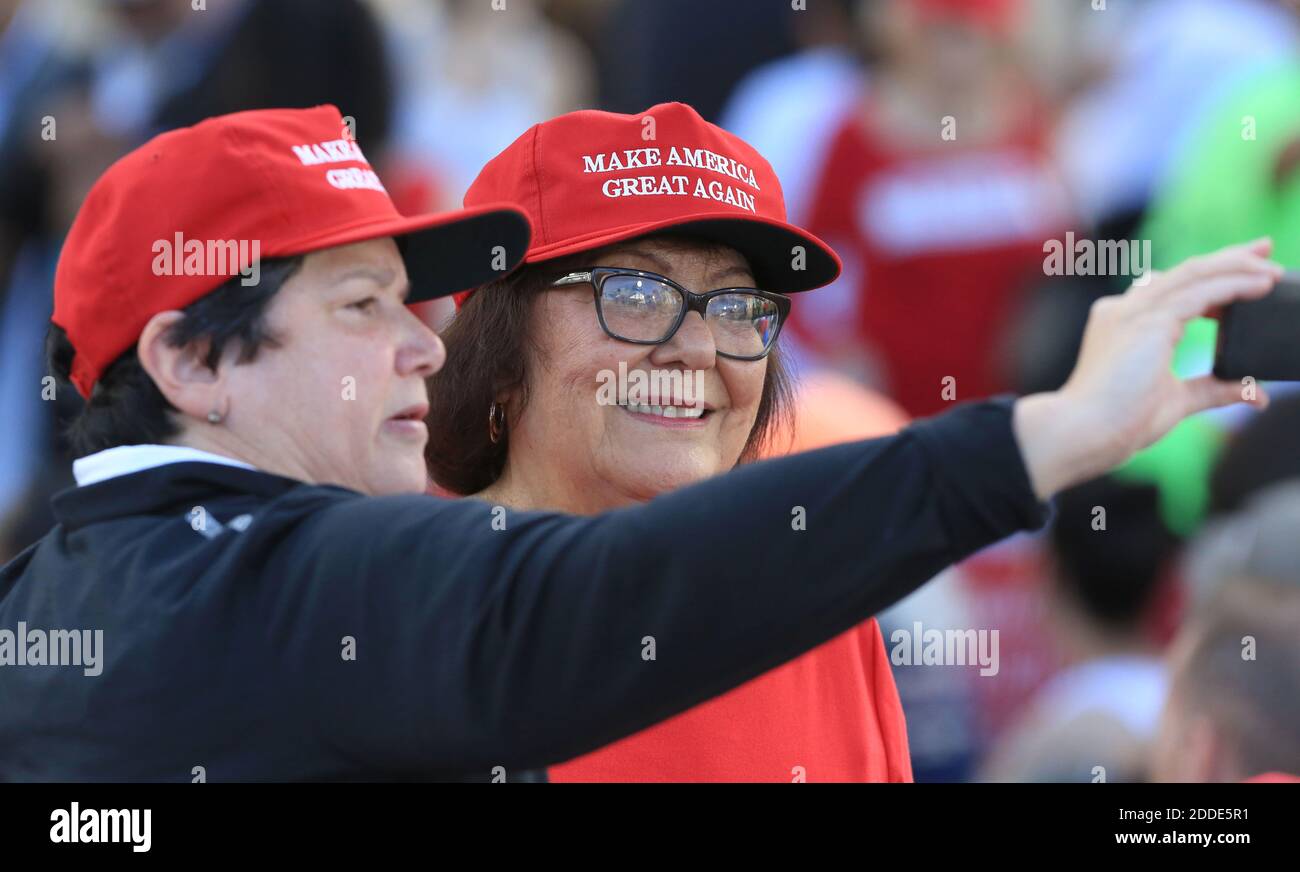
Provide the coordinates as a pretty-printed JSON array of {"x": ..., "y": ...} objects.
[{"x": 126, "y": 459}]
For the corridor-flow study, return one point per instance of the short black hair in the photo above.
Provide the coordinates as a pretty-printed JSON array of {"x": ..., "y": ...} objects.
[
  {"x": 1113, "y": 575},
  {"x": 125, "y": 407}
]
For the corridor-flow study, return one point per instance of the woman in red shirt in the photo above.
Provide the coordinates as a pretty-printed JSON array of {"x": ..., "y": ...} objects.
[{"x": 635, "y": 353}]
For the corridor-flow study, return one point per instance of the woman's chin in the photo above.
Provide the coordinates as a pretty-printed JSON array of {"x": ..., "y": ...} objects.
[
  {"x": 648, "y": 483},
  {"x": 404, "y": 476}
]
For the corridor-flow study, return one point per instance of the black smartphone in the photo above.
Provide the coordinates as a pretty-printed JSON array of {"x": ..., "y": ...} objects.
[{"x": 1261, "y": 338}]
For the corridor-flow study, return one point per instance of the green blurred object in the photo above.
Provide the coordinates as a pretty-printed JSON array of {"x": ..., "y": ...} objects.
[
  {"x": 1238, "y": 180},
  {"x": 1235, "y": 181},
  {"x": 1179, "y": 465}
]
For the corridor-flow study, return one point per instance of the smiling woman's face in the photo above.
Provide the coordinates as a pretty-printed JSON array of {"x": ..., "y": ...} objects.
[{"x": 571, "y": 439}]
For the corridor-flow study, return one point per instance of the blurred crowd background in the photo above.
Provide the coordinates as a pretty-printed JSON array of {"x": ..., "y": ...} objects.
[{"x": 936, "y": 144}]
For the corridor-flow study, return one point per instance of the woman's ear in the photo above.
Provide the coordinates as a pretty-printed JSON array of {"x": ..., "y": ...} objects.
[{"x": 181, "y": 373}]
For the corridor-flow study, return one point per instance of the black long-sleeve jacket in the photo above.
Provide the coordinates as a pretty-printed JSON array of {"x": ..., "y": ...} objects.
[{"x": 266, "y": 629}]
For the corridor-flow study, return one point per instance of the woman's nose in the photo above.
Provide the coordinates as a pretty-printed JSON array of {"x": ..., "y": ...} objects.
[
  {"x": 423, "y": 352},
  {"x": 692, "y": 346}
]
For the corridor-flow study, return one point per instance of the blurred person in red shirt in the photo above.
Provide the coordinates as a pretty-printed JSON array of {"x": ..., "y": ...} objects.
[{"x": 937, "y": 189}]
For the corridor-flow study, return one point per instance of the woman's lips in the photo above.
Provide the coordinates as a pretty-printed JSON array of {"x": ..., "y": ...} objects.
[
  {"x": 406, "y": 428},
  {"x": 409, "y": 423},
  {"x": 675, "y": 417}
]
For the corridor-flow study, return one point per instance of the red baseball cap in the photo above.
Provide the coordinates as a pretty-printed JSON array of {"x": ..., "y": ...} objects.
[
  {"x": 588, "y": 179},
  {"x": 179, "y": 216}
]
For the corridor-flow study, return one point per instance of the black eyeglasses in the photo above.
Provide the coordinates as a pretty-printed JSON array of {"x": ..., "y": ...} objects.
[{"x": 647, "y": 309}]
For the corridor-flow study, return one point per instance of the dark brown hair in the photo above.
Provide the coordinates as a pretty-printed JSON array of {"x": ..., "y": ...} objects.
[{"x": 488, "y": 349}]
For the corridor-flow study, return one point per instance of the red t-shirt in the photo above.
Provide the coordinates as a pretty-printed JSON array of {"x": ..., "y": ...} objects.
[
  {"x": 939, "y": 246},
  {"x": 831, "y": 715}
]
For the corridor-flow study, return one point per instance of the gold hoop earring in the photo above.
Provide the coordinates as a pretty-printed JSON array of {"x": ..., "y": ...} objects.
[{"x": 496, "y": 422}]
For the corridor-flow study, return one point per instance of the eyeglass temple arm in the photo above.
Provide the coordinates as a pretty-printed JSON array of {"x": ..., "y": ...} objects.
[{"x": 573, "y": 279}]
